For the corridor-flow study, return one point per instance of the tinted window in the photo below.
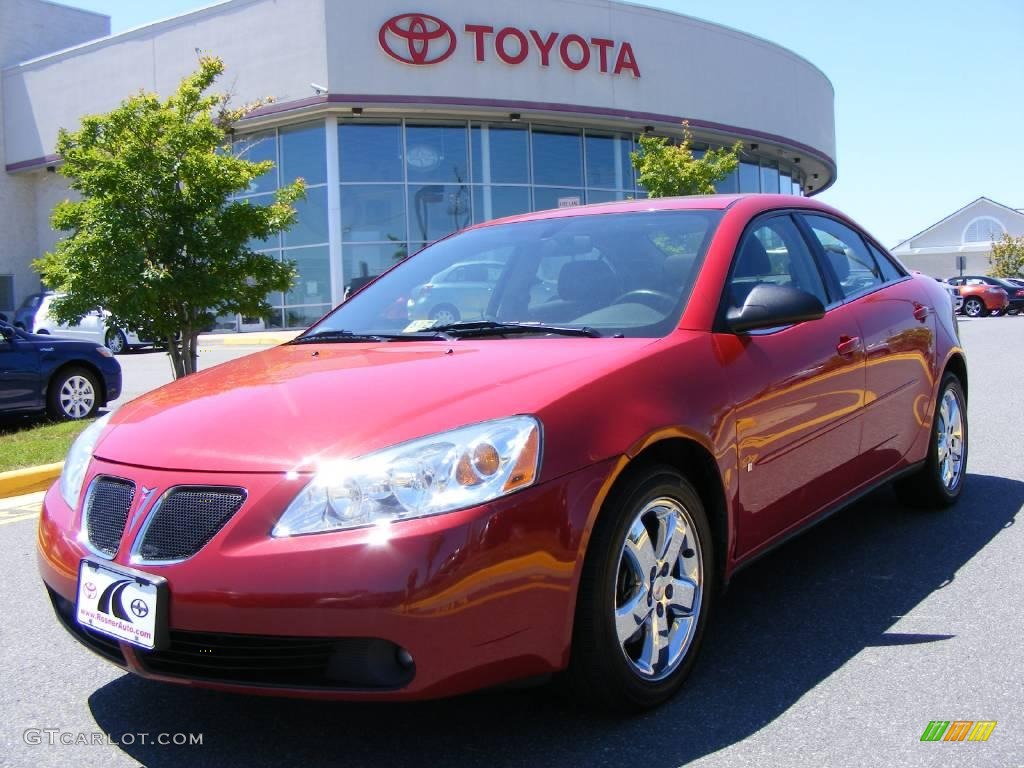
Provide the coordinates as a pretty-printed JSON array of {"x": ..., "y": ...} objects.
[
  {"x": 6, "y": 292},
  {"x": 847, "y": 255},
  {"x": 885, "y": 265},
  {"x": 774, "y": 252},
  {"x": 557, "y": 158},
  {"x": 370, "y": 152},
  {"x": 501, "y": 154}
]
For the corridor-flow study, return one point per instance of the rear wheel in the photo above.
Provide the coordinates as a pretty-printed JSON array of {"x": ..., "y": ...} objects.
[
  {"x": 645, "y": 594},
  {"x": 117, "y": 342},
  {"x": 974, "y": 307},
  {"x": 444, "y": 314},
  {"x": 940, "y": 481},
  {"x": 73, "y": 395}
]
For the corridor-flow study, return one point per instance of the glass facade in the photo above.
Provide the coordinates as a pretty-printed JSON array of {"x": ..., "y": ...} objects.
[
  {"x": 402, "y": 183},
  {"x": 297, "y": 152}
]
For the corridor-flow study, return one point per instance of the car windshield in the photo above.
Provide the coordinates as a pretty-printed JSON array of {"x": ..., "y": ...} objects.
[{"x": 620, "y": 274}]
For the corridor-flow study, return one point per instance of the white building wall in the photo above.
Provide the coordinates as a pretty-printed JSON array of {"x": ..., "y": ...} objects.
[
  {"x": 951, "y": 231},
  {"x": 30, "y": 28},
  {"x": 689, "y": 68},
  {"x": 270, "y": 48},
  {"x": 936, "y": 251}
]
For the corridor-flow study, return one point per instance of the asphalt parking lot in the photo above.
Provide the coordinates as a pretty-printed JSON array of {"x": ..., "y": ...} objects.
[{"x": 835, "y": 650}]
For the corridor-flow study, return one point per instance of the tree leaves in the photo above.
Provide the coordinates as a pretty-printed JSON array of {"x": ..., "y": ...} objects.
[
  {"x": 1007, "y": 257},
  {"x": 666, "y": 169},
  {"x": 156, "y": 237}
]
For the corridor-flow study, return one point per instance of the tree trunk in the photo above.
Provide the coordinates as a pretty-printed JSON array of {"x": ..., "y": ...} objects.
[
  {"x": 190, "y": 351},
  {"x": 174, "y": 353}
]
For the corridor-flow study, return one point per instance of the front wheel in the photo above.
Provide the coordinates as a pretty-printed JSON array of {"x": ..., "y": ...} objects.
[
  {"x": 940, "y": 481},
  {"x": 645, "y": 594},
  {"x": 73, "y": 395}
]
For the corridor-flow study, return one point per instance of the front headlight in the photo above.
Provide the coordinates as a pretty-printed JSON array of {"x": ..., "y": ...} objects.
[
  {"x": 77, "y": 461},
  {"x": 430, "y": 476}
]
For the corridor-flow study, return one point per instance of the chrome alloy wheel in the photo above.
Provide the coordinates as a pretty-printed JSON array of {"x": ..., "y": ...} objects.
[
  {"x": 77, "y": 397},
  {"x": 658, "y": 589},
  {"x": 949, "y": 429},
  {"x": 973, "y": 307}
]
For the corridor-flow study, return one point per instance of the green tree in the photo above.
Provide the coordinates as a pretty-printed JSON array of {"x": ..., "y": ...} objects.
[
  {"x": 1007, "y": 257},
  {"x": 156, "y": 238},
  {"x": 665, "y": 169}
]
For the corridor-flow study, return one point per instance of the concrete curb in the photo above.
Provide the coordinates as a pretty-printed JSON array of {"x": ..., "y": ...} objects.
[
  {"x": 260, "y": 339},
  {"x": 18, "y": 482}
]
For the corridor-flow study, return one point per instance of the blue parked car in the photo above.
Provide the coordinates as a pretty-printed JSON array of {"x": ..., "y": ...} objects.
[{"x": 68, "y": 379}]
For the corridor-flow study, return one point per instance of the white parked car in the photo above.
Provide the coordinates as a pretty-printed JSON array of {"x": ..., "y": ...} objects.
[
  {"x": 93, "y": 327},
  {"x": 954, "y": 294}
]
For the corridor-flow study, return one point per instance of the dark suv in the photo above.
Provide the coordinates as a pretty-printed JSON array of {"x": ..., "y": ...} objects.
[
  {"x": 25, "y": 315},
  {"x": 1013, "y": 291}
]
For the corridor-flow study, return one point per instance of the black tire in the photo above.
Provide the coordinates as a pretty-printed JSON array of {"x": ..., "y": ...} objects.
[
  {"x": 61, "y": 408},
  {"x": 445, "y": 313},
  {"x": 974, "y": 307},
  {"x": 926, "y": 488},
  {"x": 600, "y": 674},
  {"x": 117, "y": 342}
]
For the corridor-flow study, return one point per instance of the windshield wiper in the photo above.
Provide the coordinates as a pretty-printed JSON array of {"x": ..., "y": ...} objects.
[
  {"x": 467, "y": 329},
  {"x": 342, "y": 337}
]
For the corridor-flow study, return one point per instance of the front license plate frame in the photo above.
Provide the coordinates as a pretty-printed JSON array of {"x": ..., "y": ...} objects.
[{"x": 123, "y": 604}]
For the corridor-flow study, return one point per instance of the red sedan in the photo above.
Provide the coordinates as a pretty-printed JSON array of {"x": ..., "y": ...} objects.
[{"x": 388, "y": 508}]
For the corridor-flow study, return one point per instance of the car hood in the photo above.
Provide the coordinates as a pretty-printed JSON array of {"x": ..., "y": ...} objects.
[
  {"x": 66, "y": 344},
  {"x": 291, "y": 407}
]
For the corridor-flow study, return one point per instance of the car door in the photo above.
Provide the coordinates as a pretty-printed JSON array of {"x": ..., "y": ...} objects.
[
  {"x": 798, "y": 390},
  {"x": 90, "y": 328},
  {"x": 897, "y": 323},
  {"x": 19, "y": 375}
]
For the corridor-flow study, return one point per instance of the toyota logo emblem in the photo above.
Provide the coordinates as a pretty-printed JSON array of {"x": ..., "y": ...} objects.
[{"x": 417, "y": 38}]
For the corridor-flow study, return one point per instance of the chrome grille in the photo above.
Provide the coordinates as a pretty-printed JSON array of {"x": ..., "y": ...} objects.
[
  {"x": 106, "y": 511},
  {"x": 185, "y": 520}
]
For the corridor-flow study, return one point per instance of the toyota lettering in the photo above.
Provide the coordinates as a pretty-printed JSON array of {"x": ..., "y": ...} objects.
[{"x": 421, "y": 39}]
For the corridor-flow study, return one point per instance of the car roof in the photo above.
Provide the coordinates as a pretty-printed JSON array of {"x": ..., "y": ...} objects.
[{"x": 685, "y": 203}]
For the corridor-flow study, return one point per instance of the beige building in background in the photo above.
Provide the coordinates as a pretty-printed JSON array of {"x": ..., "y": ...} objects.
[
  {"x": 960, "y": 244},
  {"x": 410, "y": 121}
]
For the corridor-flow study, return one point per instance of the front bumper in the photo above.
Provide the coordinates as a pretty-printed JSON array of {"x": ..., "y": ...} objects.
[
  {"x": 476, "y": 597},
  {"x": 111, "y": 380}
]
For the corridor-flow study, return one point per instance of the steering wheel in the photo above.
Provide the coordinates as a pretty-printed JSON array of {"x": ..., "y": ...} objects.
[{"x": 657, "y": 300}]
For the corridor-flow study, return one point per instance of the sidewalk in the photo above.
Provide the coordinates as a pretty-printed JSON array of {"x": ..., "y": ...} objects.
[{"x": 18, "y": 508}]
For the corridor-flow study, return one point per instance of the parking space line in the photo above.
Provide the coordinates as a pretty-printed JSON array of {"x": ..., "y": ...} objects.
[{"x": 16, "y": 516}]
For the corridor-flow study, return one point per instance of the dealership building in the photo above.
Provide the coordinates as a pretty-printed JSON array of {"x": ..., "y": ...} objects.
[{"x": 411, "y": 121}]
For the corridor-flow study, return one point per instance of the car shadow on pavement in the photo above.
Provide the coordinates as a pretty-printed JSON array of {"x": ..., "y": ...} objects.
[{"x": 788, "y": 622}]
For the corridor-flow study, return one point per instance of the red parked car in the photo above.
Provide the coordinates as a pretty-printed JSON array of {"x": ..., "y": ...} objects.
[{"x": 392, "y": 509}]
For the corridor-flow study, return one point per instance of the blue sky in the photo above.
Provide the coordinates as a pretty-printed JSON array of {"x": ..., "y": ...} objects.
[{"x": 929, "y": 107}]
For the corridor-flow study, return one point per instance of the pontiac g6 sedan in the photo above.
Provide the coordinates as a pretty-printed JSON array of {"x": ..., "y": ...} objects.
[{"x": 396, "y": 508}]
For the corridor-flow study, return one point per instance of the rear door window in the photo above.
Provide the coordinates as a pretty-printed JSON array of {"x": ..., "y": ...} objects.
[{"x": 846, "y": 255}]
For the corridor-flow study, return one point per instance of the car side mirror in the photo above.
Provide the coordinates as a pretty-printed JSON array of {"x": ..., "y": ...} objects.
[{"x": 771, "y": 306}]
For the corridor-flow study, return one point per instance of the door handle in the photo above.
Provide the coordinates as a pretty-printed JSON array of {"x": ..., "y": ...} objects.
[
  {"x": 848, "y": 345},
  {"x": 921, "y": 312}
]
